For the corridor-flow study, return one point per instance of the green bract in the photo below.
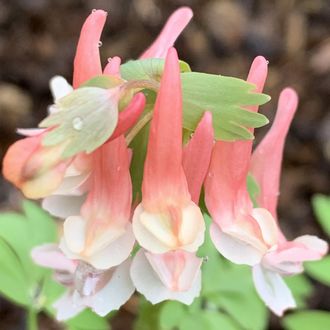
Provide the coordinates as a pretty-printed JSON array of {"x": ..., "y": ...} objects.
[
  {"x": 84, "y": 119},
  {"x": 225, "y": 97}
]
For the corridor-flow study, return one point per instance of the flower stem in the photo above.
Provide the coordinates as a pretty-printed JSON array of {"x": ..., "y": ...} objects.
[
  {"x": 139, "y": 125},
  {"x": 32, "y": 319}
]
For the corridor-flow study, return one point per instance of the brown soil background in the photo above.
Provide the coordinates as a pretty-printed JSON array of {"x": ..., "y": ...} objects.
[{"x": 38, "y": 40}]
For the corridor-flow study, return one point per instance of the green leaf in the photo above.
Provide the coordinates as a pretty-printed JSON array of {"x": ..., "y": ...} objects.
[
  {"x": 148, "y": 316},
  {"x": 220, "y": 321},
  {"x": 226, "y": 98},
  {"x": 151, "y": 68},
  {"x": 321, "y": 206},
  {"x": 253, "y": 189},
  {"x": 300, "y": 287},
  {"x": 13, "y": 282},
  {"x": 84, "y": 120},
  {"x": 245, "y": 307},
  {"x": 103, "y": 81},
  {"x": 319, "y": 270},
  {"x": 41, "y": 226},
  {"x": 171, "y": 314},
  {"x": 307, "y": 320},
  {"x": 194, "y": 322},
  {"x": 139, "y": 147},
  {"x": 88, "y": 320}
]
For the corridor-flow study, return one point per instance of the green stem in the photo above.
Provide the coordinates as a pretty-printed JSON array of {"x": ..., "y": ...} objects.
[
  {"x": 137, "y": 128},
  {"x": 32, "y": 319}
]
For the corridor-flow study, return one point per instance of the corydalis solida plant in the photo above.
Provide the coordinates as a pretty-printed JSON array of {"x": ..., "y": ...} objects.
[{"x": 79, "y": 163}]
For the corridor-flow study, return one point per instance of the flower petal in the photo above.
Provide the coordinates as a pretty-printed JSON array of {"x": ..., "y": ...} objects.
[
  {"x": 62, "y": 206},
  {"x": 115, "y": 252},
  {"x": 50, "y": 256},
  {"x": 66, "y": 308},
  {"x": 115, "y": 293},
  {"x": 59, "y": 87},
  {"x": 172, "y": 29},
  {"x": 113, "y": 67},
  {"x": 225, "y": 186},
  {"x": 74, "y": 233},
  {"x": 272, "y": 290},
  {"x": 267, "y": 224},
  {"x": 176, "y": 269},
  {"x": 267, "y": 158},
  {"x": 235, "y": 249},
  {"x": 197, "y": 155},
  {"x": 164, "y": 182},
  {"x": 87, "y": 62},
  {"x": 313, "y": 243},
  {"x": 148, "y": 283},
  {"x": 129, "y": 116}
]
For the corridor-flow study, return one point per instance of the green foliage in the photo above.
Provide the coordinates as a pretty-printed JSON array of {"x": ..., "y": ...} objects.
[
  {"x": 148, "y": 316},
  {"x": 87, "y": 320},
  {"x": 147, "y": 69},
  {"x": 22, "y": 281},
  {"x": 253, "y": 189},
  {"x": 321, "y": 206},
  {"x": 307, "y": 320},
  {"x": 300, "y": 287},
  {"x": 319, "y": 270},
  {"x": 225, "y": 97}
]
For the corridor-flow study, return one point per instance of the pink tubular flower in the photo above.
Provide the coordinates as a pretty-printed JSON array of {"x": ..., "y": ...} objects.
[
  {"x": 39, "y": 170},
  {"x": 102, "y": 291},
  {"x": 101, "y": 235},
  {"x": 247, "y": 235},
  {"x": 172, "y": 29},
  {"x": 167, "y": 223}
]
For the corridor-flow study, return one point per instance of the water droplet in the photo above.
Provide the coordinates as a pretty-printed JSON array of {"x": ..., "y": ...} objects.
[
  {"x": 94, "y": 10},
  {"x": 100, "y": 43},
  {"x": 267, "y": 61},
  {"x": 109, "y": 59},
  {"x": 77, "y": 123},
  {"x": 205, "y": 259}
]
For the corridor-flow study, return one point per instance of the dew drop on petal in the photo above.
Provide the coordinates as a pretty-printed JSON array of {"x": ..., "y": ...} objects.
[
  {"x": 109, "y": 59},
  {"x": 77, "y": 123},
  {"x": 100, "y": 43},
  {"x": 267, "y": 61},
  {"x": 94, "y": 10}
]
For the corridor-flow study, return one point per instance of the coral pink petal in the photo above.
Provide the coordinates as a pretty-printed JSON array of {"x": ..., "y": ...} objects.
[
  {"x": 267, "y": 158},
  {"x": 230, "y": 164},
  {"x": 163, "y": 173},
  {"x": 110, "y": 197},
  {"x": 16, "y": 158},
  {"x": 171, "y": 31},
  {"x": 87, "y": 62},
  {"x": 129, "y": 116},
  {"x": 197, "y": 155},
  {"x": 113, "y": 67}
]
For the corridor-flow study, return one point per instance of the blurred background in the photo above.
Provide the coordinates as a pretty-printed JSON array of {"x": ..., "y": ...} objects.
[{"x": 38, "y": 40}]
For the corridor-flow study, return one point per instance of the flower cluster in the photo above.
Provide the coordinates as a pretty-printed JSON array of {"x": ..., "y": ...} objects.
[{"x": 112, "y": 244}]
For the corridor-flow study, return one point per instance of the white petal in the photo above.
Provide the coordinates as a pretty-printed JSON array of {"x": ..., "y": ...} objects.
[
  {"x": 267, "y": 224},
  {"x": 50, "y": 256},
  {"x": 115, "y": 252},
  {"x": 29, "y": 131},
  {"x": 66, "y": 308},
  {"x": 74, "y": 233},
  {"x": 313, "y": 243},
  {"x": 114, "y": 294},
  {"x": 148, "y": 283},
  {"x": 71, "y": 185},
  {"x": 273, "y": 290},
  {"x": 63, "y": 206},
  {"x": 144, "y": 236},
  {"x": 234, "y": 249},
  {"x": 59, "y": 87}
]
